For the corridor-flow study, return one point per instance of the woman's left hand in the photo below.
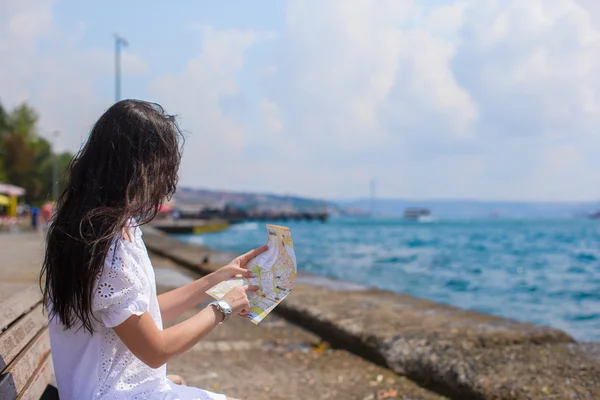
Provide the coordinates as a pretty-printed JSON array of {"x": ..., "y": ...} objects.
[{"x": 239, "y": 265}]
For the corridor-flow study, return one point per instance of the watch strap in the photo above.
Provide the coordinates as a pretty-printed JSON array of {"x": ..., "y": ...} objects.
[{"x": 226, "y": 311}]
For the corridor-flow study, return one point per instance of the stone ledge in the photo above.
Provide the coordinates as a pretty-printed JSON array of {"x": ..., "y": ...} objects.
[{"x": 547, "y": 371}]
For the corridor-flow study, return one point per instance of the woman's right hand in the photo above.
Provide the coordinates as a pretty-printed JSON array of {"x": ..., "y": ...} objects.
[{"x": 237, "y": 298}]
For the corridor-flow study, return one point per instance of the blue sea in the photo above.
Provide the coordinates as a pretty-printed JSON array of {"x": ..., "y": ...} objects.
[{"x": 540, "y": 271}]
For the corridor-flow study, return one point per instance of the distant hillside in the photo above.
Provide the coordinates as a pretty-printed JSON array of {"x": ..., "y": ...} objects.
[
  {"x": 476, "y": 209},
  {"x": 257, "y": 201},
  {"x": 384, "y": 207}
]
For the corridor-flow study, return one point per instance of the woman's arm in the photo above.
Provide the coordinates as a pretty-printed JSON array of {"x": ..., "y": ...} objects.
[
  {"x": 176, "y": 302},
  {"x": 155, "y": 347}
]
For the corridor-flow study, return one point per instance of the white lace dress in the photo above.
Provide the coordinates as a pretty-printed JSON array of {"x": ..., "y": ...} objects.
[{"x": 100, "y": 366}]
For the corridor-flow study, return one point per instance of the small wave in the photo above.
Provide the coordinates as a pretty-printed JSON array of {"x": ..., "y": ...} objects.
[
  {"x": 587, "y": 295},
  {"x": 586, "y": 257},
  {"x": 585, "y": 317},
  {"x": 397, "y": 259},
  {"x": 246, "y": 226},
  {"x": 531, "y": 288},
  {"x": 526, "y": 287},
  {"x": 475, "y": 270},
  {"x": 195, "y": 239},
  {"x": 417, "y": 243},
  {"x": 576, "y": 270},
  {"x": 459, "y": 285},
  {"x": 477, "y": 247}
]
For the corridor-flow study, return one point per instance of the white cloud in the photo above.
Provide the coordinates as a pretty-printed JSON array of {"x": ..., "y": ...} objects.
[
  {"x": 271, "y": 118},
  {"x": 494, "y": 99},
  {"x": 562, "y": 168},
  {"x": 209, "y": 103},
  {"x": 470, "y": 90},
  {"x": 26, "y": 26},
  {"x": 41, "y": 65},
  {"x": 369, "y": 78},
  {"x": 538, "y": 74}
]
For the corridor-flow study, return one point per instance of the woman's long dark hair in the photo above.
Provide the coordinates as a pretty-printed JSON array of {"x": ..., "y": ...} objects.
[{"x": 125, "y": 170}]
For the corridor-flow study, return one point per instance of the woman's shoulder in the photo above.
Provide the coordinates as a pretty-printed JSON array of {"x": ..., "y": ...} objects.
[
  {"x": 130, "y": 235},
  {"x": 126, "y": 256},
  {"x": 118, "y": 250},
  {"x": 134, "y": 228},
  {"x": 121, "y": 256},
  {"x": 122, "y": 267}
]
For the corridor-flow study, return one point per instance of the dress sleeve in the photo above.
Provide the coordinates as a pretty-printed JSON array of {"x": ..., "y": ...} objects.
[{"x": 122, "y": 289}]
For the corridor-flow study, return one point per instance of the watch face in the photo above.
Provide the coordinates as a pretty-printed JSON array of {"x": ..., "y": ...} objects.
[{"x": 225, "y": 306}]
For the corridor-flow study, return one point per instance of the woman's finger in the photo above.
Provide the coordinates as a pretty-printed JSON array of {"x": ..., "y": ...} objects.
[
  {"x": 251, "y": 254},
  {"x": 246, "y": 273}
]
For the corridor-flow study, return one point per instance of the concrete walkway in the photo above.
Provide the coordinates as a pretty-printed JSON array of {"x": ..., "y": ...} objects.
[
  {"x": 21, "y": 255},
  {"x": 275, "y": 360}
]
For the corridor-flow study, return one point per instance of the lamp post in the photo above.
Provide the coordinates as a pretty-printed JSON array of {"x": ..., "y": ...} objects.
[
  {"x": 119, "y": 41},
  {"x": 55, "y": 134}
]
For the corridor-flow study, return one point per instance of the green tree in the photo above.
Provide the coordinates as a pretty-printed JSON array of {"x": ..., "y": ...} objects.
[
  {"x": 3, "y": 130},
  {"x": 26, "y": 159}
]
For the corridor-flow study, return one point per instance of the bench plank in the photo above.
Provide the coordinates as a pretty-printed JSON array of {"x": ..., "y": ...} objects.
[
  {"x": 15, "y": 338},
  {"x": 17, "y": 374},
  {"x": 16, "y": 300},
  {"x": 38, "y": 383}
]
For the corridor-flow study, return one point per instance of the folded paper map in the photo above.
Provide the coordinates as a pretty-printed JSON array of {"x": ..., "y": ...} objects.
[{"x": 275, "y": 271}]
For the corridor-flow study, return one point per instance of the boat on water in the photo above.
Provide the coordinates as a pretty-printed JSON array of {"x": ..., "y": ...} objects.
[{"x": 418, "y": 214}]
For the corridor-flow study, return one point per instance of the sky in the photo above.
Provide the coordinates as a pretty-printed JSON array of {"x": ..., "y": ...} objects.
[{"x": 465, "y": 99}]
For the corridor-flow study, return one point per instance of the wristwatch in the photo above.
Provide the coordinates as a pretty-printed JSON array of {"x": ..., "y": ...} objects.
[{"x": 223, "y": 307}]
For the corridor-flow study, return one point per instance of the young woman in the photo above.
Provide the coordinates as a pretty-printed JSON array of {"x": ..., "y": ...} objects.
[{"x": 105, "y": 318}]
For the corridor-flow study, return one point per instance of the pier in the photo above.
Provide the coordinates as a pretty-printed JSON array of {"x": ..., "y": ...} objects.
[
  {"x": 283, "y": 216},
  {"x": 209, "y": 220},
  {"x": 190, "y": 226},
  {"x": 236, "y": 215}
]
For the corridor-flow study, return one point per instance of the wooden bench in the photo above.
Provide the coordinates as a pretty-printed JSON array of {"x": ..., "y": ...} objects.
[{"x": 25, "y": 362}]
